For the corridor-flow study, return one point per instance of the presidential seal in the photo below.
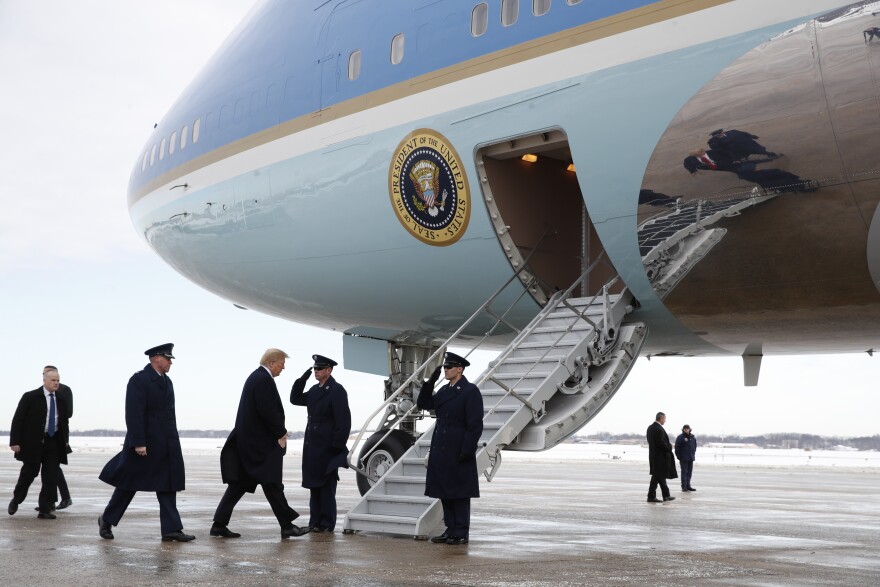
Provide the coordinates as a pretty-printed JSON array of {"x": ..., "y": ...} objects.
[{"x": 429, "y": 189}]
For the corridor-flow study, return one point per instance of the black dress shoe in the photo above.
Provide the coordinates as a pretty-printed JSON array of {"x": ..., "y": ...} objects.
[
  {"x": 440, "y": 539},
  {"x": 456, "y": 540},
  {"x": 293, "y": 531},
  {"x": 13, "y": 507},
  {"x": 668, "y": 498},
  {"x": 691, "y": 489},
  {"x": 105, "y": 529},
  {"x": 223, "y": 532},
  {"x": 654, "y": 500},
  {"x": 65, "y": 503},
  {"x": 178, "y": 536},
  {"x": 46, "y": 516},
  {"x": 51, "y": 508}
]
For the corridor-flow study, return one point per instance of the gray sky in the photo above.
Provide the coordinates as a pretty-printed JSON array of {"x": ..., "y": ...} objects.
[{"x": 82, "y": 84}]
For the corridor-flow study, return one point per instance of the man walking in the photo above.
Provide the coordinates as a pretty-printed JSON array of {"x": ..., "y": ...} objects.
[
  {"x": 254, "y": 452},
  {"x": 38, "y": 437},
  {"x": 661, "y": 459},
  {"x": 65, "y": 394},
  {"x": 151, "y": 458}
]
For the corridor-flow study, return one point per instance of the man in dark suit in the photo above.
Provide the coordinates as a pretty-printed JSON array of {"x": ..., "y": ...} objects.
[
  {"x": 452, "y": 465},
  {"x": 324, "y": 445},
  {"x": 254, "y": 452},
  {"x": 151, "y": 458},
  {"x": 38, "y": 437},
  {"x": 65, "y": 394},
  {"x": 661, "y": 460}
]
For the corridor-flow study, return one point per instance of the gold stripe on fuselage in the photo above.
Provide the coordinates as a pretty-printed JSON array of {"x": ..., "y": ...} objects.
[{"x": 580, "y": 35}]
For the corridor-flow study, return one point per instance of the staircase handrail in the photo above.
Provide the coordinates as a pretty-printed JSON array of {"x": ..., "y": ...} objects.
[{"x": 421, "y": 368}]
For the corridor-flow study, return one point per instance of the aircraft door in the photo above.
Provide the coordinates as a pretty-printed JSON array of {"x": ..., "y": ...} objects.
[{"x": 532, "y": 193}]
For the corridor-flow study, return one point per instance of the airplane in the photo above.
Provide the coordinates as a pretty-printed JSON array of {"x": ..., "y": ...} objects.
[{"x": 573, "y": 183}]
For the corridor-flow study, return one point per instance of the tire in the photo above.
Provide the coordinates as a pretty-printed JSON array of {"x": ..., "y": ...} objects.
[{"x": 388, "y": 453}]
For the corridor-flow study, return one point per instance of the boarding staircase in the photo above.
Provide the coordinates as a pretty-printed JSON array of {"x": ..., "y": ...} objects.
[{"x": 555, "y": 375}]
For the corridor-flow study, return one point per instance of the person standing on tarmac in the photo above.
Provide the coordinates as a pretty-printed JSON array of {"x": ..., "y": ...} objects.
[
  {"x": 661, "y": 460},
  {"x": 686, "y": 451},
  {"x": 324, "y": 445},
  {"x": 452, "y": 465},
  {"x": 66, "y": 395}
]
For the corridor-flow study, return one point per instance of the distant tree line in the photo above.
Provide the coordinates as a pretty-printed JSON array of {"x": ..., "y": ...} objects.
[{"x": 774, "y": 440}]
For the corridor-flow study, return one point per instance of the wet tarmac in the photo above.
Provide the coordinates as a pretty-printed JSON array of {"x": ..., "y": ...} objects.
[{"x": 542, "y": 521}]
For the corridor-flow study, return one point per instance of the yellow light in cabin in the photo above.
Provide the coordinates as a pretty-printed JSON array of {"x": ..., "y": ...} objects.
[
  {"x": 529, "y": 158},
  {"x": 570, "y": 167}
]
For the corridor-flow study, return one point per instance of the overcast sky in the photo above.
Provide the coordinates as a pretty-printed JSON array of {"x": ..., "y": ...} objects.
[{"x": 82, "y": 85}]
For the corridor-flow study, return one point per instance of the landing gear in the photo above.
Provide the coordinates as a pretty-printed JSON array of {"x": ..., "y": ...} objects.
[{"x": 386, "y": 454}]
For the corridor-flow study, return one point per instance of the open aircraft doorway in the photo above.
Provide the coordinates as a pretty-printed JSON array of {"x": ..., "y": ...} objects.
[{"x": 531, "y": 190}]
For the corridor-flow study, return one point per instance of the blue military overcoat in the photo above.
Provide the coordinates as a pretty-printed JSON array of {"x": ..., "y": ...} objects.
[
  {"x": 151, "y": 421},
  {"x": 686, "y": 447},
  {"x": 327, "y": 431},
  {"x": 452, "y": 463}
]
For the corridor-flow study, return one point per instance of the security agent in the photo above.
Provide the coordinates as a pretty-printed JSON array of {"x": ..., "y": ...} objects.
[
  {"x": 452, "y": 466},
  {"x": 65, "y": 394},
  {"x": 151, "y": 458},
  {"x": 324, "y": 445},
  {"x": 38, "y": 437}
]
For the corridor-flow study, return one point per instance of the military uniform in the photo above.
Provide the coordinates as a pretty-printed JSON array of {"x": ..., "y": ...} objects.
[
  {"x": 452, "y": 467},
  {"x": 324, "y": 446}
]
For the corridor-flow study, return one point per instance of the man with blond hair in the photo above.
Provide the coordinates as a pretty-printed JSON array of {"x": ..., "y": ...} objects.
[{"x": 254, "y": 452}]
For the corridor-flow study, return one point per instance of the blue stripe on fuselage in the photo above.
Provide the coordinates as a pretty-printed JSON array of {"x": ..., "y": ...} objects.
[{"x": 286, "y": 60}]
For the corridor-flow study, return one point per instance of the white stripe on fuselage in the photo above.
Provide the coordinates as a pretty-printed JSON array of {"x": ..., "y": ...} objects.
[{"x": 739, "y": 16}]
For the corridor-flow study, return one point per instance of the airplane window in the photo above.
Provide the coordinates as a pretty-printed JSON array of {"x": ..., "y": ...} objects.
[
  {"x": 153, "y": 155},
  {"x": 573, "y": 2},
  {"x": 509, "y": 12},
  {"x": 183, "y": 132},
  {"x": 196, "y": 127},
  {"x": 397, "y": 49},
  {"x": 257, "y": 102},
  {"x": 172, "y": 143},
  {"x": 354, "y": 65},
  {"x": 540, "y": 7},
  {"x": 239, "y": 114},
  {"x": 162, "y": 150},
  {"x": 480, "y": 19},
  {"x": 144, "y": 164}
]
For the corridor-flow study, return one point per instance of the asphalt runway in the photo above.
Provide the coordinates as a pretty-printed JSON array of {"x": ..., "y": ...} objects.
[{"x": 542, "y": 521}]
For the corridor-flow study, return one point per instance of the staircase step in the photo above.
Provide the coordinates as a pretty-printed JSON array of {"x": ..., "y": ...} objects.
[
  {"x": 384, "y": 523},
  {"x": 401, "y": 485},
  {"x": 398, "y": 505}
]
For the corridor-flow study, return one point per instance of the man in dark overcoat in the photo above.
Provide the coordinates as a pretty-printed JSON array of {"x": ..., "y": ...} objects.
[
  {"x": 452, "y": 465},
  {"x": 151, "y": 458},
  {"x": 324, "y": 445},
  {"x": 254, "y": 452},
  {"x": 661, "y": 459},
  {"x": 66, "y": 394},
  {"x": 38, "y": 437}
]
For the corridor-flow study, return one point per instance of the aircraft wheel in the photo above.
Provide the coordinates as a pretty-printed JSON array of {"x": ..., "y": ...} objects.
[{"x": 381, "y": 459}]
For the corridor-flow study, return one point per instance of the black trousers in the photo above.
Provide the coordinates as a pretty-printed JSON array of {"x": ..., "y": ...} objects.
[
  {"x": 169, "y": 518},
  {"x": 457, "y": 516},
  {"x": 48, "y": 468},
  {"x": 274, "y": 493},
  {"x": 322, "y": 504},
  {"x": 655, "y": 481},
  {"x": 62, "y": 486}
]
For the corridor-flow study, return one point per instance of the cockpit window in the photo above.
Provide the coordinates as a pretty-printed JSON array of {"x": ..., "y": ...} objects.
[
  {"x": 172, "y": 144},
  {"x": 540, "y": 7},
  {"x": 153, "y": 155},
  {"x": 509, "y": 12},
  {"x": 162, "y": 149},
  {"x": 480, "y": 19},
  {"x": 397, "y": 49},
  {"x": 573, "y": 2},
  {"x": 144, "y": 164},
  {"x": 354, "y": 65},
  {"x": 197, "y": 125},
  {"x": 183, "y": 134}
]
